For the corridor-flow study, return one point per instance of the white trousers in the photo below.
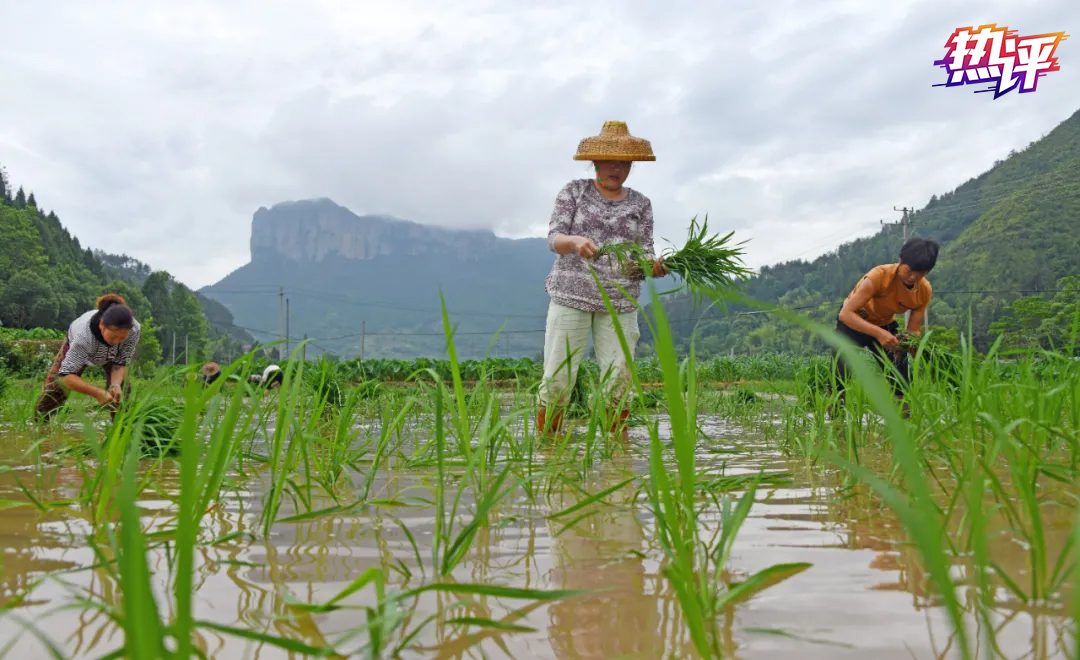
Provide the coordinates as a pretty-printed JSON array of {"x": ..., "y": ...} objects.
[{"x": 569, "y": 326}]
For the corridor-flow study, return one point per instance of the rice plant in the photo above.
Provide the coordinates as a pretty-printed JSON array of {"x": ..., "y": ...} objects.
[{"x": 706, "y": 263}]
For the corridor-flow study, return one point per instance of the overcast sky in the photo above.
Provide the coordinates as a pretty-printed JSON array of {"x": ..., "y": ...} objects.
[{"x": 157, "y": 132}]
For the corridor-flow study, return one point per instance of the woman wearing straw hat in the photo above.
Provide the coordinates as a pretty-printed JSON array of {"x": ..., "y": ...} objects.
[
  {"x": 211, "y": 371},
  {"x": 590, "y": 213}
]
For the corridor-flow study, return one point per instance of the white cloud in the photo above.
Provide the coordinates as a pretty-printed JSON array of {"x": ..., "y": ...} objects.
[{"x": 157, "y": 132}]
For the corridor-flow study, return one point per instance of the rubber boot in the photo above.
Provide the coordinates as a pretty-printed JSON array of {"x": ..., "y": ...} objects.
[
  {"x": 542, "y": 426},
  {"x": 619, "y": 427}
]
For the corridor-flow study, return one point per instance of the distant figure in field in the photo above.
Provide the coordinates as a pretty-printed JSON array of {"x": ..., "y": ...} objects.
[
  {"x": 211, "y": 371},
  {"x": 590, "y": 213},
  {"x": 868, "y": 316},
  {"x": 104, "y": 337},
  {"x": 272, "y": 377}
]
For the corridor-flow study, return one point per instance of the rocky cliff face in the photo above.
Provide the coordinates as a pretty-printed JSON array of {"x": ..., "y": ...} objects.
[{"x": 311, "y": 230}]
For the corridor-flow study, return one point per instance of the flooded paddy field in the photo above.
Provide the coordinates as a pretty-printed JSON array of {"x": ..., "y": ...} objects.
[{"x": 295, "y": 526}]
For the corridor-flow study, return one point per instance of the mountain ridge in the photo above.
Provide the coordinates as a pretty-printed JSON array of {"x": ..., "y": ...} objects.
[
  {"x": 315, "y": 228},
  {"x": 396, "y": 274},
  {"x": 1005, "y": 232}
]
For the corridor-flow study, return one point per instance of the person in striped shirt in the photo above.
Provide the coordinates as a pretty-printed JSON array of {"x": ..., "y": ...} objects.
[{"x": 103, "y": 337}]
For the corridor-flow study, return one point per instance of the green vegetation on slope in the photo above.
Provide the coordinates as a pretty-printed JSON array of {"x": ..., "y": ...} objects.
[
  {"x": 47, "y": 279},
  {"x": 1005, "y": 234}
]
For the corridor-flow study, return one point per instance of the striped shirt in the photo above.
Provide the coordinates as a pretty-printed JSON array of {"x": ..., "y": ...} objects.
[
  {"x": 84, "y": 349},
  {"x": 580, "y": 210}
]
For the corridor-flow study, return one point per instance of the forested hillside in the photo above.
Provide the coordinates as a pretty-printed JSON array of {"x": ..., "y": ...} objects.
[
  {"x": 221, "y": 339},
  {"x": 373, "y": 286},
  {"x": 47, "y": 279},
  {"x": 1009, "y": 236}
]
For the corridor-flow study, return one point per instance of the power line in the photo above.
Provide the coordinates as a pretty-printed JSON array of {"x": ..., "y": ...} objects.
[
  {"x": 984, "y": 201},
  {"x": 397, "y": 334},
  {"x": 742, "y": 313},
  {"x": 840, "y": 301},
  {"x": 322, "y": 295}
]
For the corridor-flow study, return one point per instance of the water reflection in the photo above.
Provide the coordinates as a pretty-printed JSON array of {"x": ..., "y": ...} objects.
[
  {"x": 866, "y": 595},
  {"x": 603, "y": 552}
]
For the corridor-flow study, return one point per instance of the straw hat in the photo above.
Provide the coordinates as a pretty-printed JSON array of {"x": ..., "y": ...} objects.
[
  {"x": 614, "y": 143},
  {"x": 210, "y": 369}
]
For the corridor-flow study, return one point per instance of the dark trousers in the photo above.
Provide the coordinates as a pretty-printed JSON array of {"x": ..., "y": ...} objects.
[
  {"x": 884, "y": 358},
  {"x": 54, "y": 394}
]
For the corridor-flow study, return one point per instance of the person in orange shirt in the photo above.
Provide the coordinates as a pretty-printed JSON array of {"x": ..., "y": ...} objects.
[{"x": 868, "y": 316}]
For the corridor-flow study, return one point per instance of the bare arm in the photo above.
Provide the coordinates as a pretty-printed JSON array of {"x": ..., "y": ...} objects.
[
  {"x": 79, "y": 385},
  {"x": 564, "y": 244},
  {"x": 915, "y": 322},
  {"x": 118, "y": 374},
  {"x": 658, "y": 269},
  {"x": 849, "y": 314}
]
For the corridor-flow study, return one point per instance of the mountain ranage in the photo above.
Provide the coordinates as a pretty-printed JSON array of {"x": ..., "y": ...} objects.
[
  {"x": 1006, "y": 234},
  {"x": 370, "y": 284},
  {"x": 314, "y": 229}
]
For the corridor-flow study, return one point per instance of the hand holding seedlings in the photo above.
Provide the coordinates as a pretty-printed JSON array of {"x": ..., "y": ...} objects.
[{"x": 585, "y": 247}]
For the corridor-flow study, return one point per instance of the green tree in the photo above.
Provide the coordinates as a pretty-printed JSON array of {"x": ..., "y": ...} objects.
[
  {"x": 30, "y": 201},
  {"x": 20, "y": 246},
  {"x": 20, "y": 199},
  {"x": 27, "y": 301},
  {"x": 75, "y": 290},
  {"x": 1060, "y": 327},
  {"x": 156, "y": 288},
  {"x": 944, "y": 337},
  {"x": 148, "y": 355},
  {"x": 189, "y": 323},
  {"x": 1022, "y": 325}
]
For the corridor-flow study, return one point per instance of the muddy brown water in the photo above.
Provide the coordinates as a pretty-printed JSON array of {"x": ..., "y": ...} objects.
[{"x": 864, "y": 596}]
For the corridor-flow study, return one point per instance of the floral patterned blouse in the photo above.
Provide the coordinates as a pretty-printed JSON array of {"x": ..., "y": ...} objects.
[{"x": 580, "y": 210}]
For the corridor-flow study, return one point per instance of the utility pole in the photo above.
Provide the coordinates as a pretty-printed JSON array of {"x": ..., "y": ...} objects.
[
  {"x": 905, "y": 220},
  {"x": 363, "y": 336},
  {"x": 187, "y": 356},
  {"x": 286, "y": 326},
  {"x": 303, "y": 351},
  {"x": 281, "y": 323},
  {"x": 174, "y": 348}
]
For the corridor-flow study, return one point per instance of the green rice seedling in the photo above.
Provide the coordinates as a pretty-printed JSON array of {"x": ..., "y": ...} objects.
[
  {"x": 336, "y": 452},
  {"x": 706, "y": 263},
  {"x": 388, "y": 618},
  {"x": 6, "y": 382},
  {"x": 286, "y": 441},
  {"x": 581, "y": 395},
  {"x": 693, "y": 568},
  {"x": 326, "y": 383},
  {"x": 202, "y": 464},
  {"x": 371, "y": 389},
  {"x": 449, "y": 548},
  {"x": 914, "y": 505},
  {"x": 160, "y": 417}
]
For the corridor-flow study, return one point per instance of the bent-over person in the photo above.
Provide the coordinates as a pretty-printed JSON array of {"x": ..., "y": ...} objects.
[
  {"x": 105, "y": 337},
  {"x": 868, "y": 316}
]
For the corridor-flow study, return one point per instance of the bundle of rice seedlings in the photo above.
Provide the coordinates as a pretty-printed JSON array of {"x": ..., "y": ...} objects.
[
  {"x": 370, "y": 389},
  {"x": 706, "y": 263},
  {"x": 160, "y": 417},
  {"x": 326, "y": 383},
  {"x": 745, "y": 395}
]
